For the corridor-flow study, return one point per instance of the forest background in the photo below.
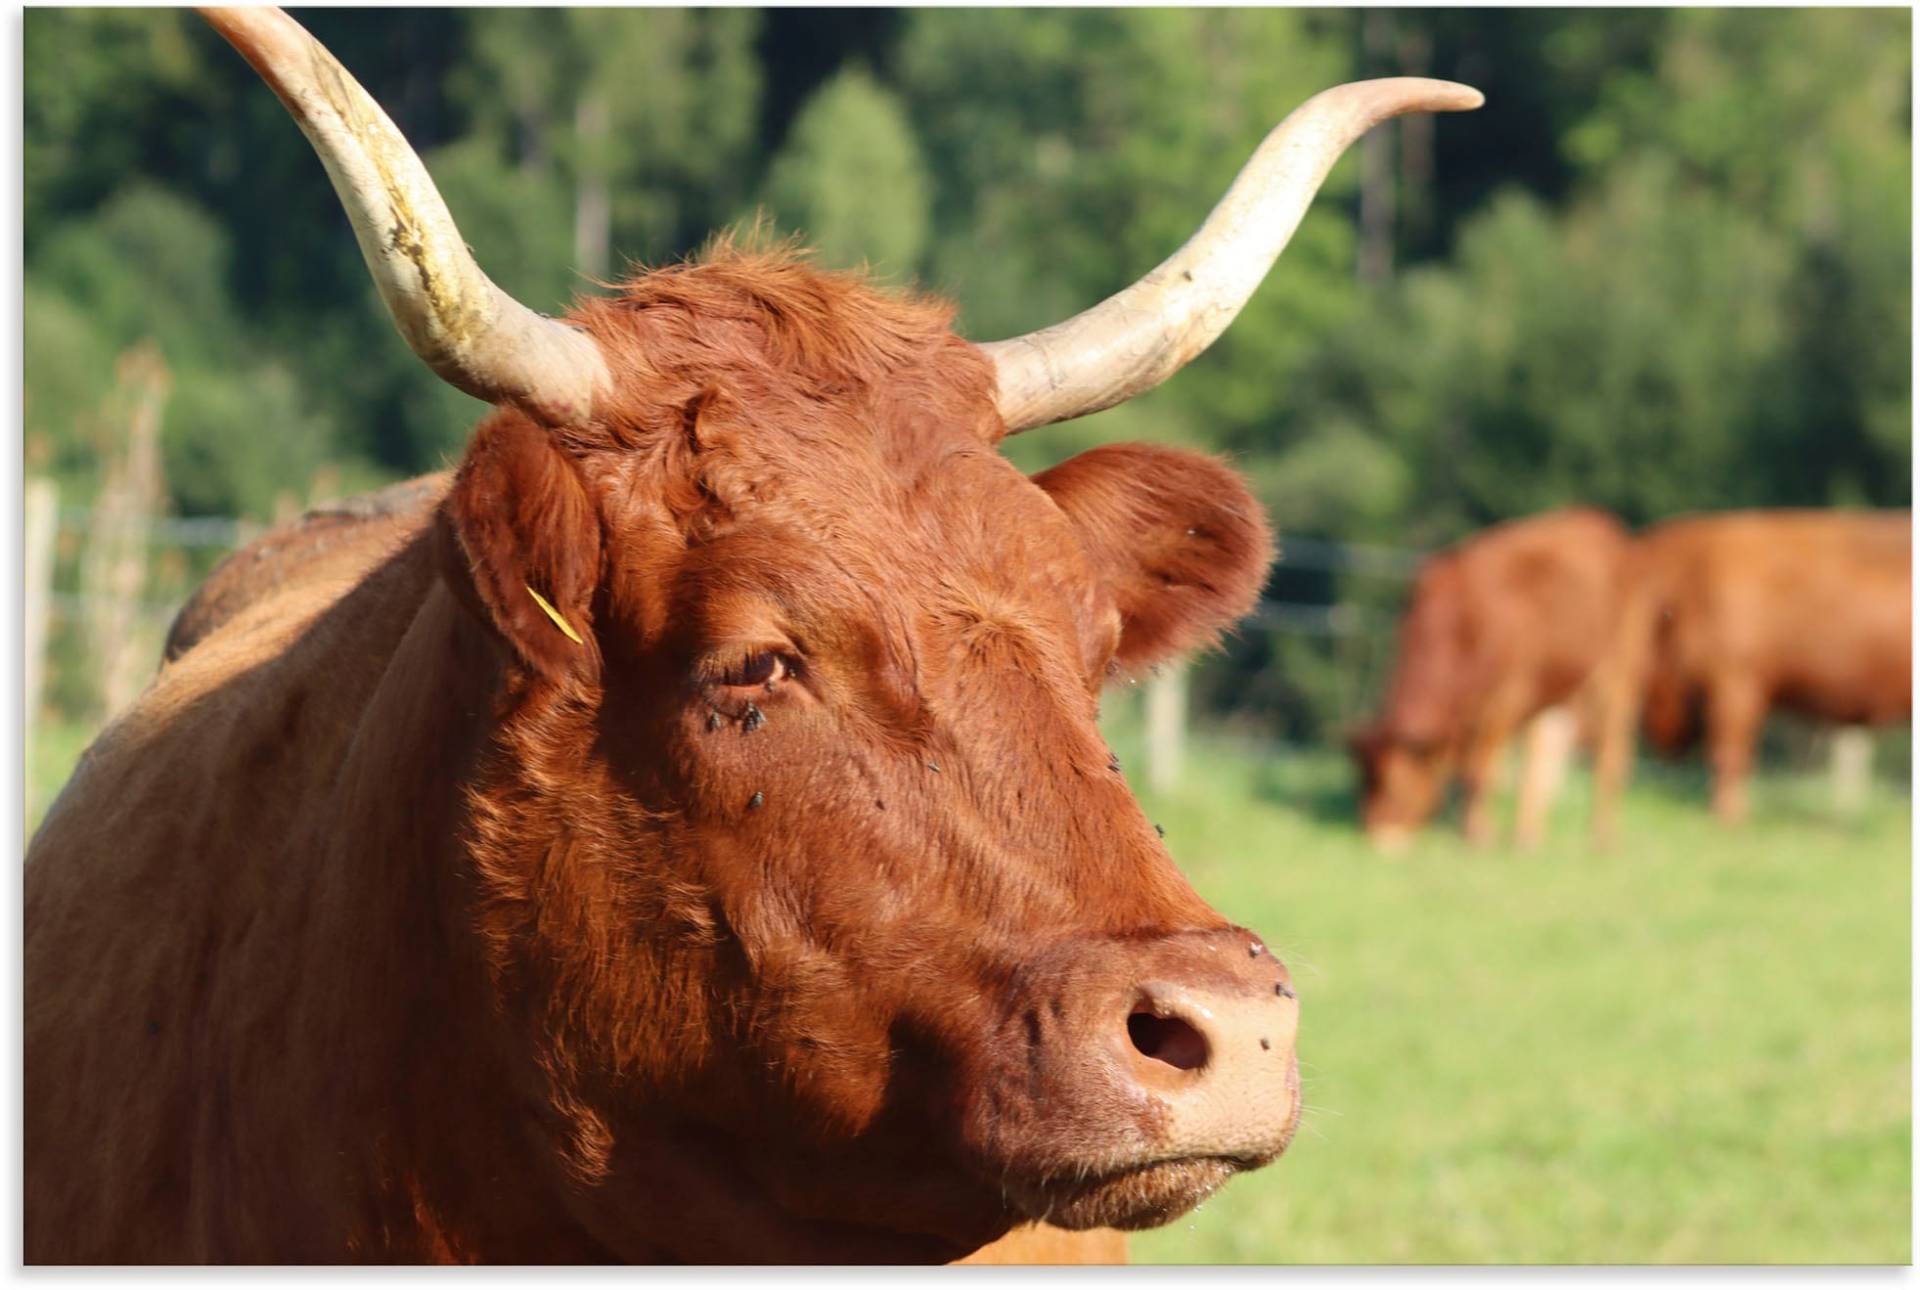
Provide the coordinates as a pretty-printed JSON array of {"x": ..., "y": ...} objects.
[{"x": 1666, "y": 268}]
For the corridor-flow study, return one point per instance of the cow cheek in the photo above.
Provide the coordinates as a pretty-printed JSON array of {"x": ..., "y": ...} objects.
[
  {"x": 829, "y": 1052},
  {"x": 807, "y": 1033},
  {"x": 831, "y": 930}
]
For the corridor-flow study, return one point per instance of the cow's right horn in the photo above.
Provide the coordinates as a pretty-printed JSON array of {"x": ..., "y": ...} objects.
[
  {"x": 476, "y": 336},
  {"x": 1136, "y": 339}
]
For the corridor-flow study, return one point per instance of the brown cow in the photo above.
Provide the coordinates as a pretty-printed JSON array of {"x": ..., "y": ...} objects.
[
  {"x": 1731, "y": 616},
  {"x": 686, "y": 834},
  {"x": 335, "y": 539},
  {"x": 1500, "y": 628}
]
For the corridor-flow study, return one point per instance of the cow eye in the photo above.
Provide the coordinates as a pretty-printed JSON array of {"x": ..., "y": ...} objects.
[{"x": 762, "y": 668}]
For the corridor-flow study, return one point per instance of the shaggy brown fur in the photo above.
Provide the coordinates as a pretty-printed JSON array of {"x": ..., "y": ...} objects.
[{"x": 781, "y": 918}]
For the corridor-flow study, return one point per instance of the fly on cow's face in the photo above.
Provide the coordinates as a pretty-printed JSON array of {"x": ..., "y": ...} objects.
[{"x": 755, "y": 719}]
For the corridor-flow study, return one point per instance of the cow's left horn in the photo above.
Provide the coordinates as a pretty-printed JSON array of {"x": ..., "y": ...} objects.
[
  {"x": 1136, "y": 339},
  {"x": 476, "y": 336}
]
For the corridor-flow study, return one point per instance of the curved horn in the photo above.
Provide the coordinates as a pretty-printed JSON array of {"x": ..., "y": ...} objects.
[
  {"x": 1136, "y": 339},
  {"x": 477, "y": 337}
]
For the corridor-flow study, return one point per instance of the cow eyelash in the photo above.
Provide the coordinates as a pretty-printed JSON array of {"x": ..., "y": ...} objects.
[{"x": 760, "y": 669}]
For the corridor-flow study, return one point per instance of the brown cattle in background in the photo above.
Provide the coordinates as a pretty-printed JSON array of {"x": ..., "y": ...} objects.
[
  {"x": 1732, "y": 616},
  {"x": 684, "y": 833},
  {"x": 1501, "y": 628}
]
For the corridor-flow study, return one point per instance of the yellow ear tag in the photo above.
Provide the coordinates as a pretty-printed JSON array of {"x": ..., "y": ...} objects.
[{"x": 554, "y": 614}]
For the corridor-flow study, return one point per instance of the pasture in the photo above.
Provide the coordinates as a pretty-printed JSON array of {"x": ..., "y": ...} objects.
[{"x": 1691, "y": 1049}]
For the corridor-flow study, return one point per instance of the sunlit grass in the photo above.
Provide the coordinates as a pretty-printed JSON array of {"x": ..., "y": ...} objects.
[{"x": 1691, "y": 1048}]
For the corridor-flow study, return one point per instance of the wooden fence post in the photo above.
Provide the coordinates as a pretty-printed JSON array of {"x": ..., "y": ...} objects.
[
  {"x": 1166, "y": 726},
  {"x": 42, "y": 520},
  {"x": 114, "y": 568},
  {"x": 1852, "y": 768}
]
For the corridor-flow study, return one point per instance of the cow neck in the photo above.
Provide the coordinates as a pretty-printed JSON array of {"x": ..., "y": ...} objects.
[{"x": 414, "y": 1088}]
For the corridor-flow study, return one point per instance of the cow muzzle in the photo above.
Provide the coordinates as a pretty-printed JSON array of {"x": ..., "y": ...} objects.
[
  {"x": 1137, "y": 1077},
  {"x": 1390, "y": 839}
]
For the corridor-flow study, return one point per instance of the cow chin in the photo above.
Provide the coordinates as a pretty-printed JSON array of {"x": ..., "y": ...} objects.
[
  {"x": 1149, "y": 1194},
  {"x": 1132, "y": 1199}
]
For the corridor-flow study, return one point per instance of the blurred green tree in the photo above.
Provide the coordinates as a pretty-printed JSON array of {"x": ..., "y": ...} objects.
[
  {"x": 645, "y": 118},
  {"x": 1534, "y": 372},
  {"x": 851, "y": 180},
  {"x": 100, "y": 88},
  {"x": 149, "y": 264},
  {"x": 1802, "y": 119}
]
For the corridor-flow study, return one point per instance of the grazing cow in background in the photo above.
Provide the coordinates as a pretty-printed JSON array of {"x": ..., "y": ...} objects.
[
  {"x": 1731, "y": 616},
  {"x": 1499, "y": 630},
  {"x": 684, "y": 832}
]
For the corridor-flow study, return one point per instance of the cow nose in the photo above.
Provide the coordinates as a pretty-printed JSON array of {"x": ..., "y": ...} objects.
[
  {"x": 1134, "y": 1074},
  {"x": 1166, "y": 1039},
  {"x": 1390, "y": 839},
  {"x": 1216, "y": 1059}
]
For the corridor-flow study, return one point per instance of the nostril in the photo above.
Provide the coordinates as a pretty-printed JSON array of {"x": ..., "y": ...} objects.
[{"x": 1167, "y": 1039}]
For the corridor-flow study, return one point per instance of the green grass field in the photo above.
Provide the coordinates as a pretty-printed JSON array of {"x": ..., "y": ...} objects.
[{"x": 1693, "y": 1048}]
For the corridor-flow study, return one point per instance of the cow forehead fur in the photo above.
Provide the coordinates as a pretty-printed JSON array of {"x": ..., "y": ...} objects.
[
  {"x": 753, "y": 393},
  {"x": 780, "y": 343}
]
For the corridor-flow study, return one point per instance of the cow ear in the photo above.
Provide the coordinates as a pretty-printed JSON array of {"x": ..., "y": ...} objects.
[
  {"x": 1179, "y": 540},
  {"x": 530, "y": 543}
]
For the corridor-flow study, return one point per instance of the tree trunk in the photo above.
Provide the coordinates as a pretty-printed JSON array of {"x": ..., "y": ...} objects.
[
  {"x": 593, "y": 206},
  {"x": 1375, "y": 260},
  {"x": 1416, "y": 143}
]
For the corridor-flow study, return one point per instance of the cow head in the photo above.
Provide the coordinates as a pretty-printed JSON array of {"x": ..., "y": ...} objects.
[
  {"x": 813, "y": 905},
  {"x": 1402, "y": 780},
  {"x": 1407, "y": 757}
]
